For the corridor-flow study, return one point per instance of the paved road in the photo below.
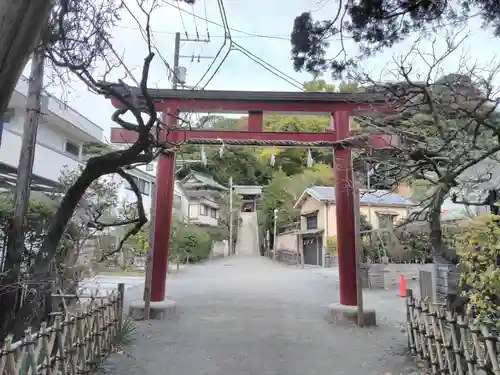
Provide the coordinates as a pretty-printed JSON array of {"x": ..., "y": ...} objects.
[{"x": 246, "y": 316}]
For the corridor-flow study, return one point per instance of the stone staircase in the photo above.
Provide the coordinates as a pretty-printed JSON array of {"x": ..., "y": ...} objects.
[{"x": 248, "y": 239}]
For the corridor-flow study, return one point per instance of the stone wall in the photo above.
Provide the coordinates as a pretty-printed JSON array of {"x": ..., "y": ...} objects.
[
  {"x": 290, "y": 257},
  {"x": 447, "y": 278},
  {"x": 387, "y": 276},
  {"x": 219, "y": 249},
  {"x": 331, "y": 261},
  {"x": 286, "y": 257}
]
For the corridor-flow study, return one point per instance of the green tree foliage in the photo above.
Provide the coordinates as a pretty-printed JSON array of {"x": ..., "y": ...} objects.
[
  {"x": 40, "y": 212},
  {"x": 319, "y": 85},
  {"x": 189, "y": 243},
  {"x": 283, "y": 191},
  {"x": 376, "y": 25},
  {"x": 480, "y": 260},
  {"x": 95, "y": 148}
]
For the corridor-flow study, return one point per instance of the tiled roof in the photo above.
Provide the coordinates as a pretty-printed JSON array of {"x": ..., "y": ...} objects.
[
  {"x": 375, "y": 197},
  {"x": 204, "y": 181}
]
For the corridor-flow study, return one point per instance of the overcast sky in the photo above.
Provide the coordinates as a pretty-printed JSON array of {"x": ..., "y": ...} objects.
[{"x": 272, "y": 19}]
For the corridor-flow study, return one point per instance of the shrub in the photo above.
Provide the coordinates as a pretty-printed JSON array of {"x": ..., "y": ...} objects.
[{"x": 479, "y": 252}]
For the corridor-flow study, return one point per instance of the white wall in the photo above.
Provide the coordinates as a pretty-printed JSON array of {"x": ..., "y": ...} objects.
[
  {"x": 61, "y": 124},
  {"x": 183, "y": 213},
  {"x": 125, "y": 195},
  {"x": 48, "y": 162},
  {"x": 59, "y": 112}
]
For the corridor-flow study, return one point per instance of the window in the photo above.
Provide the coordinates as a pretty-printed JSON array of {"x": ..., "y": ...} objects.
[
  {"x": 203, "y": 210},
  {"x": 386, "y": 221},
  {"x": 312, "y": 222},
  {"x": 72, "y": 148},
  {"x": 150, "y": 167},
  {"x": 213, "y": 213},
  {"x": 143, "y": 185}
]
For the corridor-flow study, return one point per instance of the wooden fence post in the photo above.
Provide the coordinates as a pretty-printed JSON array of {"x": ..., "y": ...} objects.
[{"x": 121, "y": 298}]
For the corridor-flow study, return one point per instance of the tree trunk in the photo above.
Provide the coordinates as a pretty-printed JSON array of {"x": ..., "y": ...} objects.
[
  {"x": 440, "y": 252},
  {"x": 43, "y": 270},
  {"x": 21, "y": 22}
]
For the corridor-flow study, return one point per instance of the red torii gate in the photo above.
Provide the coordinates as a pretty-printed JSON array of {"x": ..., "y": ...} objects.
[{"x": 338, "y": 105}]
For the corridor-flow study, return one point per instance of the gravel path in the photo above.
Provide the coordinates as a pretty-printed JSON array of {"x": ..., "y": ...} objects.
[{"x": 246, "y": 315}]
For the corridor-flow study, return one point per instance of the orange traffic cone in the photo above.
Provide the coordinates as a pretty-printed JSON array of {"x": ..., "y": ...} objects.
[{"x": 402, "y": 286}]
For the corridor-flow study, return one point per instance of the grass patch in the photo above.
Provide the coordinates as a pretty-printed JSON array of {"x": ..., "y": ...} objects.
[{"x": 128, "y": 333}]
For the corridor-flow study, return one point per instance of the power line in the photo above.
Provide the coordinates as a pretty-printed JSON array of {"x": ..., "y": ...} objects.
[
  {"x": 227, "y": 38},
  {"x": 269, "y": 67},
  {"x": 206, "y": 18},
  {"x": 183, "y": 23},
  {"x": 195, "y": 23},
  {"x": 156, "y": 31},
  {"x": 221, "y": 25}
]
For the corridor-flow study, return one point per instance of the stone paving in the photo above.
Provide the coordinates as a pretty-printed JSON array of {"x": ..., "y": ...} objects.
[{"x": 248, "y": 315}]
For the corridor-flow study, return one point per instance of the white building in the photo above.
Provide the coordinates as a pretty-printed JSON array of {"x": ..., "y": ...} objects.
[
  {"x": 195, "y": 197},
  {"x": 61, "y": 135}
]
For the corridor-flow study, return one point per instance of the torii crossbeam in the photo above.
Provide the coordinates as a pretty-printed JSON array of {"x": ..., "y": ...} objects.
[{"x": 340, "y": 106}]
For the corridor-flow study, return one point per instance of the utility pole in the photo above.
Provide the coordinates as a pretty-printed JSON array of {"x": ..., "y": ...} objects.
[
  {"x": 274, "y": 232},
  {"x": 177, "y": 50},
  {"x": 177, "y": 56},
  {"x": 27, "y": 156},
  {"x": 230, "y": 216}
]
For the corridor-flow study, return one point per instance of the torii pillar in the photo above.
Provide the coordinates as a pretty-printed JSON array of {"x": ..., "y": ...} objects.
[
  {"x": 344, "y": 203},
  {"x": 347, "y": 309},
  {"x": 165, "y": 177},
  {"x": 160, "y": 307}
]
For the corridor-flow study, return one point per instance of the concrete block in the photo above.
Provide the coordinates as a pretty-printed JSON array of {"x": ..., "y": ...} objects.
[
  {"x": 158, "y": 310},
  {"x": 338, "y": 313}
]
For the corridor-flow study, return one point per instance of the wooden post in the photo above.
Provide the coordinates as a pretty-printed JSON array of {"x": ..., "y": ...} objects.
[
  {"x": 359, "y": 256},
  {"x": 121, "y": 296},
  {"x": 230, "y": 245},
  {"x": 149, "y": 259},
  {"x": 274, "y": 233},
  {"x": 317, "y": 252}
]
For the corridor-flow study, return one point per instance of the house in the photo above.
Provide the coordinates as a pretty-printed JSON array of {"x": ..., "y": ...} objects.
[
  {"x": 196, "y": 198},
  {"x": 61, "y": 136},
  {"x": 145, "y": 182},
  {"x": 318, "y": 219}
]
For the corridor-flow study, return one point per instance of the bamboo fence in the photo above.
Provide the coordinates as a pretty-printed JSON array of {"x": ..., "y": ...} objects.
[
  {"x": 74, "y": 345},
  {"x": 450, "y": 343}
]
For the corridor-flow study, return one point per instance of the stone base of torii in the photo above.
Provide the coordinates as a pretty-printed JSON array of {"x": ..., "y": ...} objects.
[{"x": 340, "y": 106}]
